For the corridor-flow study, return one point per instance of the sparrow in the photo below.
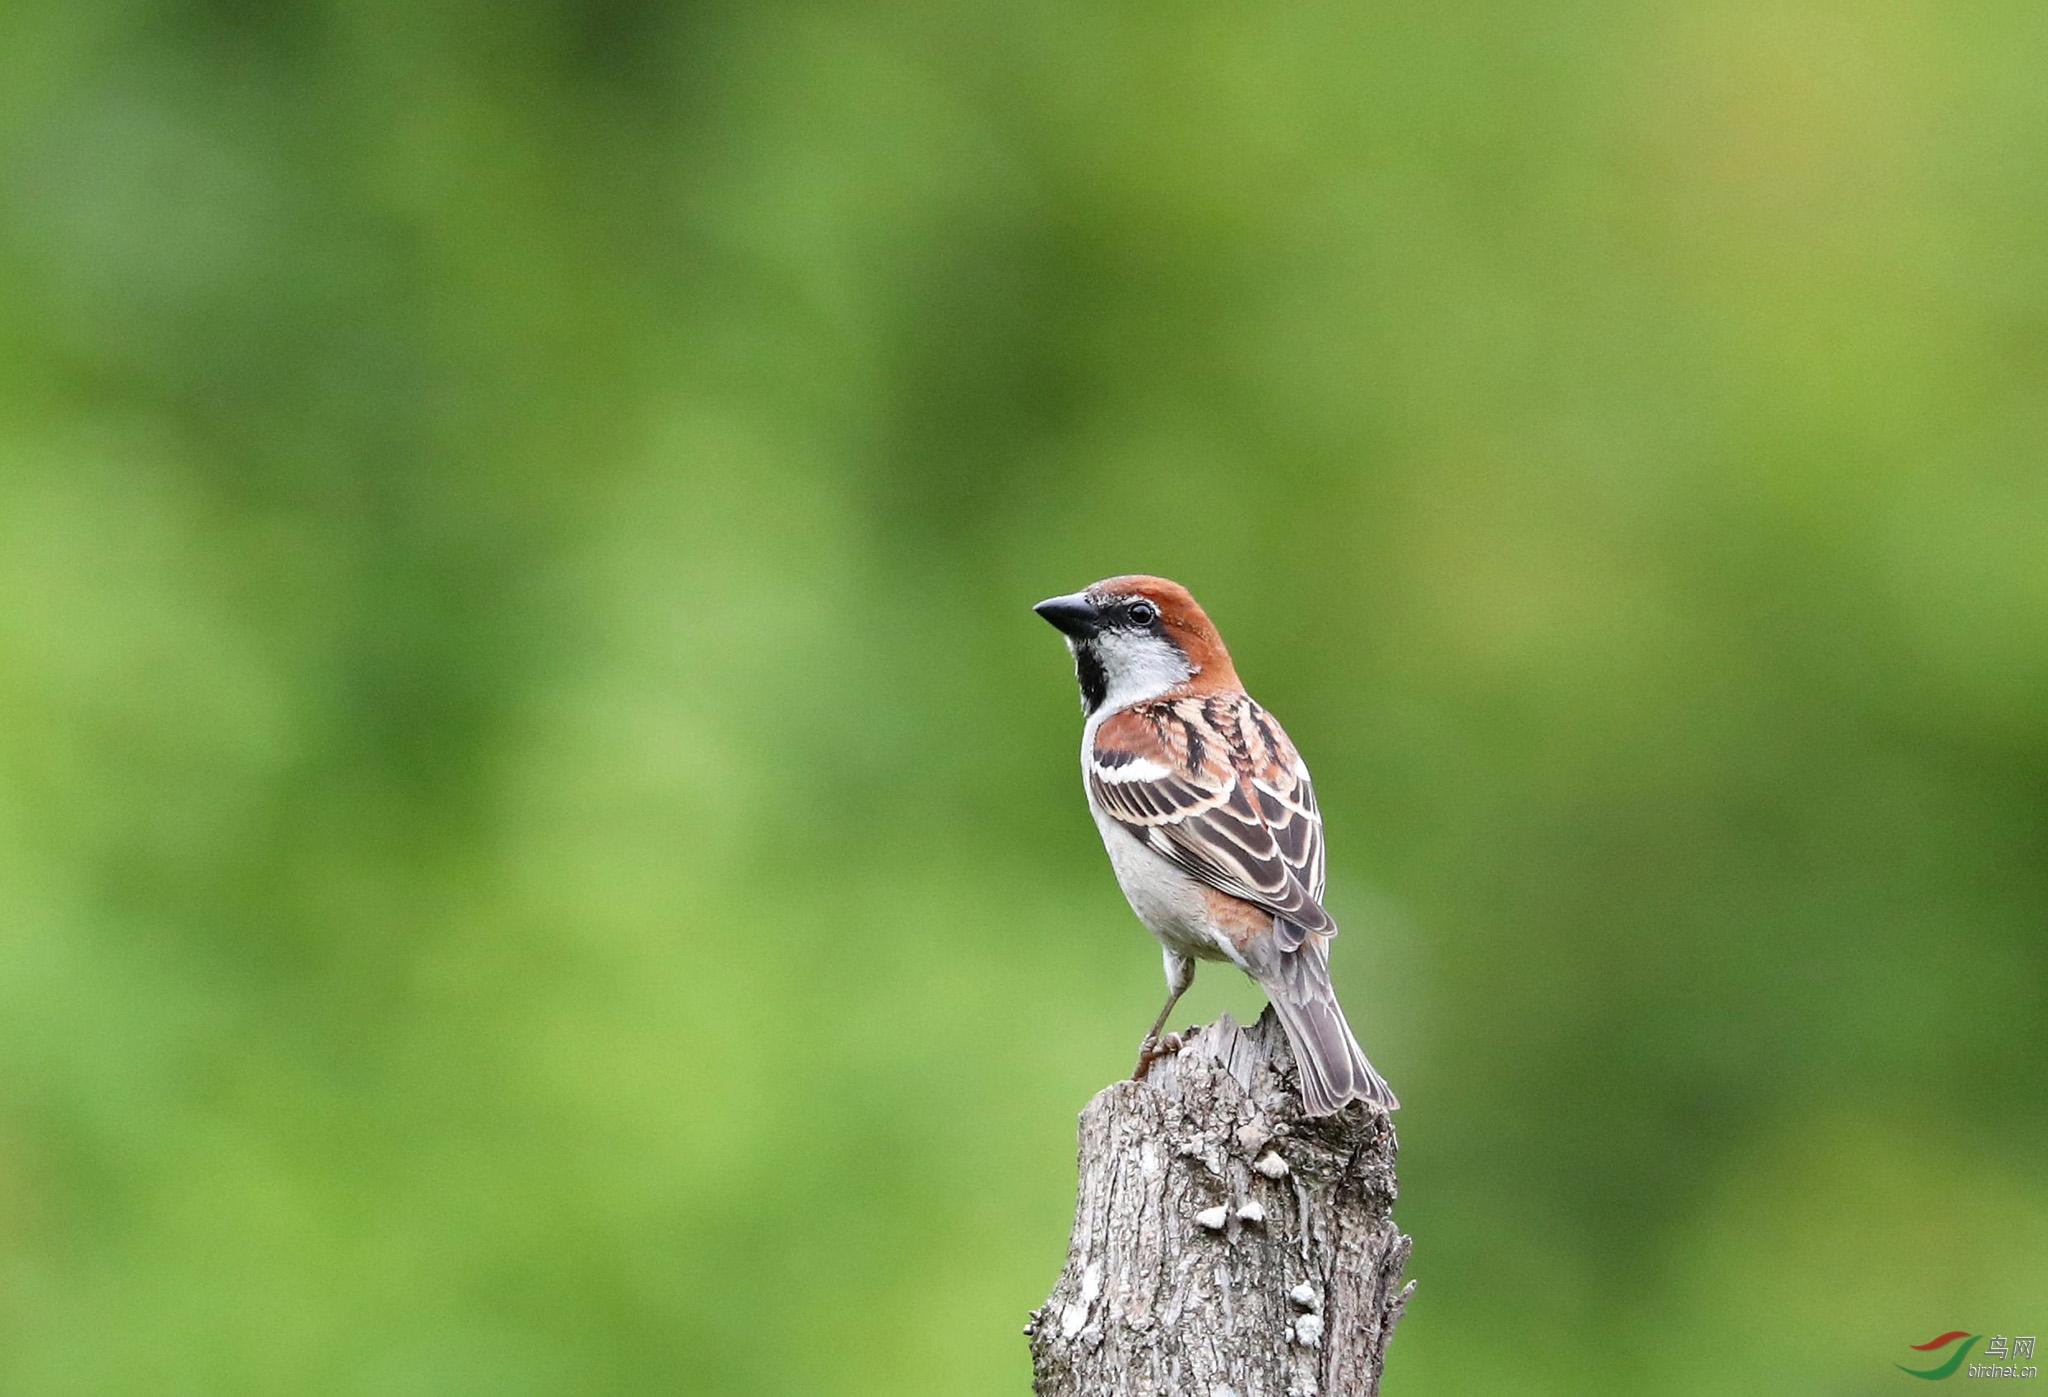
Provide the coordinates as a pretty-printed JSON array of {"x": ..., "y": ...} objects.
[{"x": 1209, "y": 819}]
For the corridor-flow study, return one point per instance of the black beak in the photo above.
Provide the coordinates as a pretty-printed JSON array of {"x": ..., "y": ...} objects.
[{"x": 1074, "y": 615}]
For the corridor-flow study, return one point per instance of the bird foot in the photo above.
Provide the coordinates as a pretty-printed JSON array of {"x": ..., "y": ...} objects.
[{"x": 1153, "y": 1049}]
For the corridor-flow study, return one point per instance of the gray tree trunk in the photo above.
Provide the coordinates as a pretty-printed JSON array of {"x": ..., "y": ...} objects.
[{"x": 1224, "y": 1244}]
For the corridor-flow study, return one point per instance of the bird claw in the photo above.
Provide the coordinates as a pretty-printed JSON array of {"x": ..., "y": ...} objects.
[{"x": 1153, "y": 1049}]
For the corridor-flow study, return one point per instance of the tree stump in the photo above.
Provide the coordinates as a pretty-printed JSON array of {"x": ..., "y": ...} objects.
[{"x": 1224, "y": 1244}]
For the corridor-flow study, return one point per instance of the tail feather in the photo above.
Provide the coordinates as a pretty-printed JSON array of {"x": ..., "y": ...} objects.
[{"x": 1331, "y": 1065}]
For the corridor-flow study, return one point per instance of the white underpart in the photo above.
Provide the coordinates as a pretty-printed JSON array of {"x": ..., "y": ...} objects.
[{"x": 1166, "y": 898}]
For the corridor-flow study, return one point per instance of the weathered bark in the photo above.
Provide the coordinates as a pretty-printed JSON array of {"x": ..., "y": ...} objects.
[{"x": 1225, "y": 1244}]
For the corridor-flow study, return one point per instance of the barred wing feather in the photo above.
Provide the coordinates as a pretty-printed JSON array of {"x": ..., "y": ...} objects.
[{"x": 1212, "y": 783}]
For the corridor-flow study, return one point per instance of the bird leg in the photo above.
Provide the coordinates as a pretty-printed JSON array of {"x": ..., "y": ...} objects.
[{"x": 1180, "y": 973}]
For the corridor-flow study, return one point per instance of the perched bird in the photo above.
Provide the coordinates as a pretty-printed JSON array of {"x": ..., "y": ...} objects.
[{"x": 1209, "y": 819}]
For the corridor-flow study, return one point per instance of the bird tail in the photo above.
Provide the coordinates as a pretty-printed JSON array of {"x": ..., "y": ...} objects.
[{"x": 1331, "y": 1065}]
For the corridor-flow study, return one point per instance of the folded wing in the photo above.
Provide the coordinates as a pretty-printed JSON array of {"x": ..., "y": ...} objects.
[{"x": 1213, "y": 784}]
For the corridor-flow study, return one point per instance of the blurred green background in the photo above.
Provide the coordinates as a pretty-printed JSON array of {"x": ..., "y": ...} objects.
[{"x": 540, "y": 844}]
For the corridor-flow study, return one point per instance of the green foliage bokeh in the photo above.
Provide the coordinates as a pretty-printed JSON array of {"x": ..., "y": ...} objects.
[{"x": 540, "y": 843}]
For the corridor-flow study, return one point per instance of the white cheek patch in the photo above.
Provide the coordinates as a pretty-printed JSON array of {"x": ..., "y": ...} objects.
[{"x": 1139, "y": 667}]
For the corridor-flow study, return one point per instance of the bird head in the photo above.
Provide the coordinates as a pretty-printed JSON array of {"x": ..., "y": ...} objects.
[{"x": 1136, "y": 638}]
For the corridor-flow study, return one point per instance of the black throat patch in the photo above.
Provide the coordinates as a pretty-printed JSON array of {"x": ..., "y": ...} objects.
[{"x": 1094, "y": 679}]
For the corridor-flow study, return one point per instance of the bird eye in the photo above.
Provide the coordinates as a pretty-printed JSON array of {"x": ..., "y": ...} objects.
[{"x": 1143, "y": 613}]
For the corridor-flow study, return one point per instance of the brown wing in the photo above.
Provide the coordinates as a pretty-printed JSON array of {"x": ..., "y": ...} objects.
[{"x": 1213, "y": 784}]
